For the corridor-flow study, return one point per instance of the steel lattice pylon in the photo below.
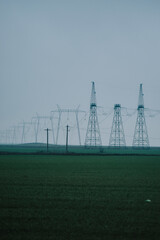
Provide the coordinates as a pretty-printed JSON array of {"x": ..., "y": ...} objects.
[
  {"x": 117, "y": 137},
  {"x": 93, "y": 137},
  {"x": 140, "y": 138}
]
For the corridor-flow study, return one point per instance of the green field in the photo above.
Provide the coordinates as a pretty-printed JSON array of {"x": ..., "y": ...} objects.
[
  {"x": 79, "y": 197},
  {"x": 41, "y": 148}
]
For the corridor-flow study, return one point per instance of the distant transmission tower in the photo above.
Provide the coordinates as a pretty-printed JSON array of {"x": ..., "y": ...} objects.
[
  {"x": 93, "y": 137},
  {"x": 140, "y": 138},
  {"x": 74, "y": 111},
  {"x": 117, "y": 137}
]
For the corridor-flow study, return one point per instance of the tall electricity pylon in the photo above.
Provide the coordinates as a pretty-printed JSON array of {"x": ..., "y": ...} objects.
[
  {"x": 117, "y": 137},
  {"x": 93, "y": 137},
  {"x": 140, "y": 138}
]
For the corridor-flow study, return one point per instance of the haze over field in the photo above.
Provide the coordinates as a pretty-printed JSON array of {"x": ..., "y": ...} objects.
[{"x": 52, "y": 50}]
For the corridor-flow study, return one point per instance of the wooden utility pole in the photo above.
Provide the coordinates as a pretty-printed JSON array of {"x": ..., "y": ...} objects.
[
  {"x": 67, "y": 130},
  {"x": 47, "y": 129}
]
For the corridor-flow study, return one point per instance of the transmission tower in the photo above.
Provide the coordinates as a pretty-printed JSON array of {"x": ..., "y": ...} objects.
[
  {"x": 93, "y": 137},
  {"x": 25, "y": 126},
  {"x": 36, "y": 120},
  {"x": 74, "y": 111},
  {"x": 117, "y": 137},
  {"x": 140, "y": 138},
  {"x": 15, "y": 133}
]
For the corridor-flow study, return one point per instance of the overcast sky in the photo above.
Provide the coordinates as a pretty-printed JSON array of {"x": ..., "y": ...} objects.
[{"x": 51, "y": 50}]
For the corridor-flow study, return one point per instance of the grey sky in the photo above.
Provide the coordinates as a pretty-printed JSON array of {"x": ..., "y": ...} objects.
[{"x": 50, "y": 51}]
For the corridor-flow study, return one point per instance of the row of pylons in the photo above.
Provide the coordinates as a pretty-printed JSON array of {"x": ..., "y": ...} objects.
[{"x": 117, "y": 136}]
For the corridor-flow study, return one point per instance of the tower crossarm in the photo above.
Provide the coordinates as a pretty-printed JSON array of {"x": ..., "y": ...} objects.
[{"x": 68, "y": 111}]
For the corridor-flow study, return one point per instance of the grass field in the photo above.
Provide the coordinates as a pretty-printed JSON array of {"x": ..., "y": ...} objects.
[
  {"x": 79, "y": 197},
  {"x": 41, "y": 148}
]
